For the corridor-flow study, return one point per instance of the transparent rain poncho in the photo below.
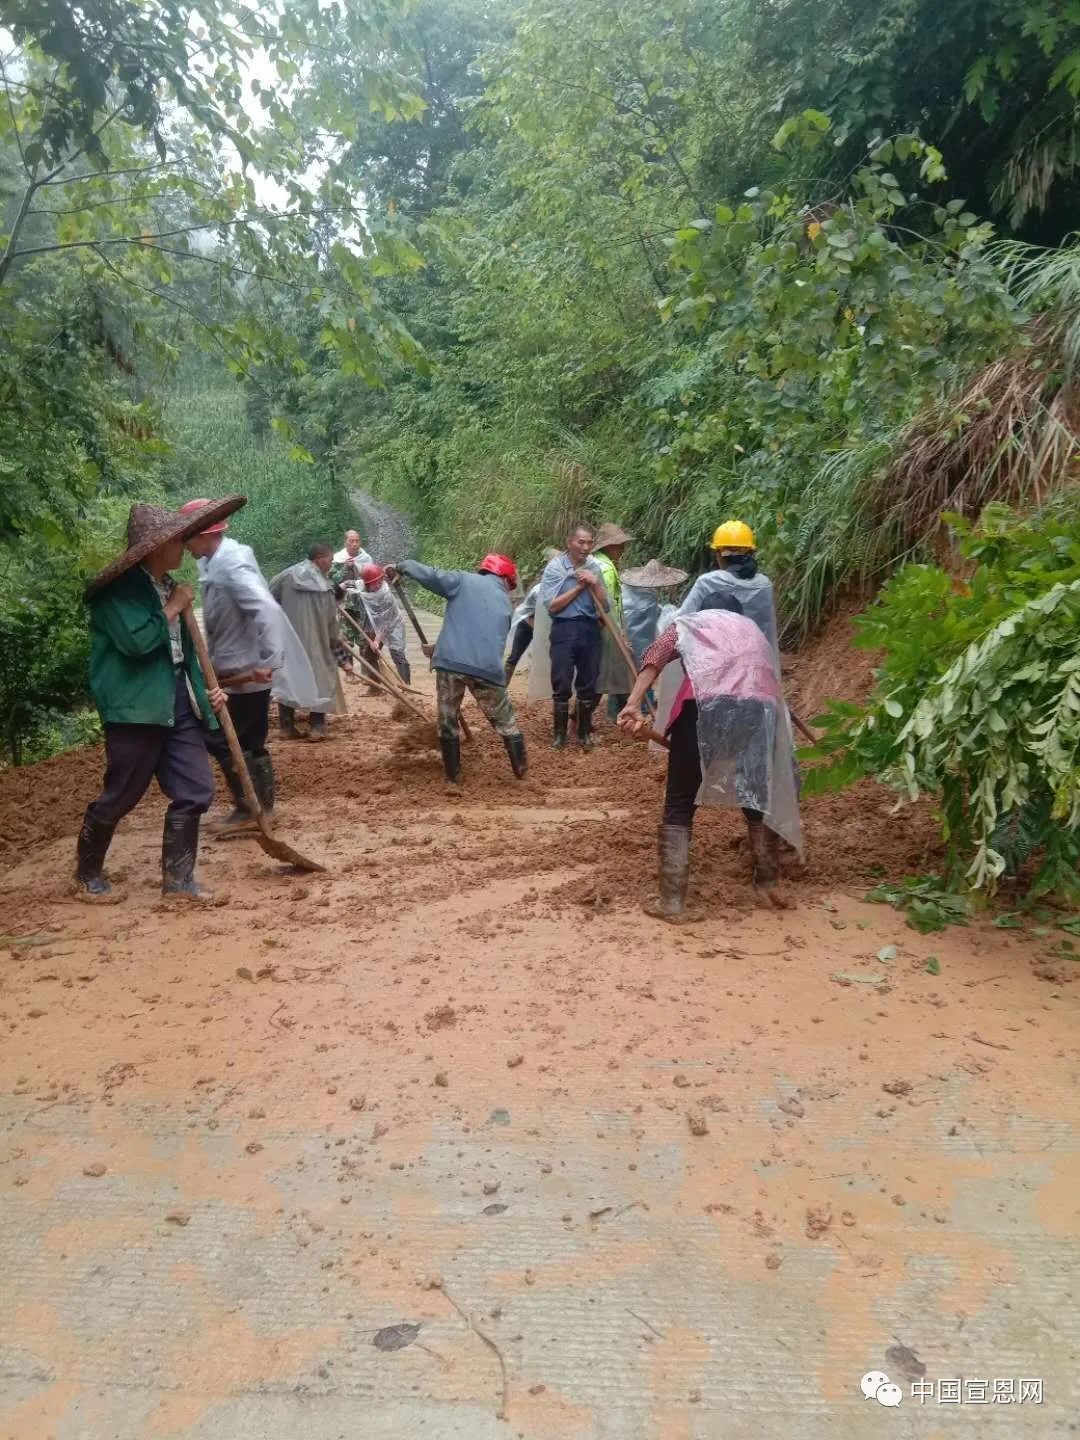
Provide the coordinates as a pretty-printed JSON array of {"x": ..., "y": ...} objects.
[
  {"x": 754, "y": 595},
  {"x": 387, "y": 620},
  {"x": 641, "y": 614},
  {"x": 744, "y": 733}
]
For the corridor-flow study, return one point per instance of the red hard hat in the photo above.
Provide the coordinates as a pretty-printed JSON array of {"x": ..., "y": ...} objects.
[
  {"x": 372, "y": 574},
  {"x": 192, "y": 506},
  {"x": 500, "y": 565}
]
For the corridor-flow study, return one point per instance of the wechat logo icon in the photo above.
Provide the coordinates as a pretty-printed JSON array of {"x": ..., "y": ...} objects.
[{"x": 876, "y": 1385}]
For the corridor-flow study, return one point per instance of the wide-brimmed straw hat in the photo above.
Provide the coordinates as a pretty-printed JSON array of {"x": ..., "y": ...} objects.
[
  {"x": 609, "y": 534},
  {"x": 151, "y": 526},
  {"x": 654, "y": 576}
]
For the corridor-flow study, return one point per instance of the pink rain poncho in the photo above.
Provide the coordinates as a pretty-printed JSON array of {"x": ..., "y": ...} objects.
[{"x": 743, "y": 728}]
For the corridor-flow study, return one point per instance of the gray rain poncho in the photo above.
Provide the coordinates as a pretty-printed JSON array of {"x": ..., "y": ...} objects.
[
  {"x": 641, "y": 615},
  {"x": 247, "y": 629},
  {"x": 307, "y": 597},
  {"x": 744, "y": 734}
]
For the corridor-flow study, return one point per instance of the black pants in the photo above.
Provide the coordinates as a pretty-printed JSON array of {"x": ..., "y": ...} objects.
[
  {"x": 175, "y": 754},
  {"x": 575, "y": 659},
  {"x": 684, "y": 771},
  {"x": 250, "y": 715},
  {"x": 522, "y": 640}
]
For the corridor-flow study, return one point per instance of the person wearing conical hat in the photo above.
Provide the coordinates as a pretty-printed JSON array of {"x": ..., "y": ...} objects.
[
  {"x": 646, "y": 611},
  {"x": 735, "y": 572},
  {"x": 609, "y": 546},
  {"x": 152, "y": 698}
]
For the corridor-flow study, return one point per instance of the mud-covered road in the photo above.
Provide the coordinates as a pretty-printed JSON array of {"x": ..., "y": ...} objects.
[{"x": 452, "y": 1141}]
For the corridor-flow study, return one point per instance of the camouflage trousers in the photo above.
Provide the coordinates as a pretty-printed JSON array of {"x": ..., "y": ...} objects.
[{"x": 493, "y": 700}]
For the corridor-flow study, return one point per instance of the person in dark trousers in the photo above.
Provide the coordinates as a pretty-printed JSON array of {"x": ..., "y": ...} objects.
[
  {"x": 571, "y": 588},
  {"x": 152, "y": 699},
  {"x": 250, "y": 642},
  {"x": 730, "y": 743},
  {"x": 522, "y": 623},
  {"x": 468, "y": 654}
]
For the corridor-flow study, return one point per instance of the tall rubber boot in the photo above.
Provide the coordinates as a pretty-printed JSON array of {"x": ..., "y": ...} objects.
[
  {"x": 90, "y": 851},
  {"x": 765, "y": 850},
  {"x": 584, "y": 724},
  {"x": 287, "y": 722},
  {"x": 240, "y": 821},
  {"x": 179, "y": 847},
  {"x": 451, "y": 759},
  {"x": 515, "y": 748},
  {"x": 561, "y": 716},
  {"x": 316, "y": 725},
  {"x": 511, "y": 666},
  {"x": 262, "y": 777},
  {"x": 674, "y": 873}
]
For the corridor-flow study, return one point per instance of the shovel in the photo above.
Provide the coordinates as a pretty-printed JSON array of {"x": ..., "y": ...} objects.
[
  {"x": 406, "y": 604},
  {"x": 265, "y": 836},
  {"x": 376, "y": 679}
]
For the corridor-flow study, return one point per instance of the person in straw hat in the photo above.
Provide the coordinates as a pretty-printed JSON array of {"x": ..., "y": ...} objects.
[
  {"x": 644, "y": 609},
  {"x": 151, "y": 696},
  {"x": 614, "y": 681}
]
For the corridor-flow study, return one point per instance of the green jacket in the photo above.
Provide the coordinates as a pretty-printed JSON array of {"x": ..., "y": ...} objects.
[
  {"x": 131, "y": 670},
  {"x": 612, "y": 583}
]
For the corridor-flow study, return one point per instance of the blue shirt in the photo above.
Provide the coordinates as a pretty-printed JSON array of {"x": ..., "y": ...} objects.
[{"x": 558, "y": 578}]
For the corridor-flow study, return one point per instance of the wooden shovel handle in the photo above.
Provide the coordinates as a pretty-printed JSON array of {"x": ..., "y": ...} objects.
[{"x": 224, "y": 718}]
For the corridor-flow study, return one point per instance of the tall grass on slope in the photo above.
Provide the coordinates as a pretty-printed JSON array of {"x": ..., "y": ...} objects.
[{"x": 291, "y": 503}]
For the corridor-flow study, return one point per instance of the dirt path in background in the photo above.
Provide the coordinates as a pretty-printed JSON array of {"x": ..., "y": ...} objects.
[
  {"x": 387, "y": 533},
  {"x": 455, "y": 1128}
]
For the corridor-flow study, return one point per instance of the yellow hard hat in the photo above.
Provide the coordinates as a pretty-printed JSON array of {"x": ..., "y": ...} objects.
[{"x": 735, "y": 534}]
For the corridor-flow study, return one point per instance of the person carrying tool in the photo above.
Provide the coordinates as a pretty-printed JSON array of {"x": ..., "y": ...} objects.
[
  {"x": 730, "y": 743},
  {"x": 571, "y": 588},
  {"x": 152, "y": 699},
  {"x": 307, "y": 597},
  {"x": 385, "y": 622},
  {"x": 522, "y": 622},
  {"x": 468, "y": 654},
  {"x": 735, "y": 572},
  {"x": 250, "y": 642},
  {"x": 614, "y": 679}
]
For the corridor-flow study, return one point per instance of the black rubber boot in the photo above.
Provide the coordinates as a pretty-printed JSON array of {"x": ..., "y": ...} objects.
[
  {"x": 262, "y": 777},
  {"x": 515, "y": 748},
  {"x": 287, "y": 721},
  {"x": 241, "y": 820},
  {"x": 674, "y": 873},
  {"x": 584, "y": 724},
  {"x": 451, "y": 759},
  {"x": 561, "y": 714},
  {"x": 316, "y": 725},
  {"x": 179, "y": 847},
  {"x": 90, "y": 851},
  {"x": 510, "y": 668}
]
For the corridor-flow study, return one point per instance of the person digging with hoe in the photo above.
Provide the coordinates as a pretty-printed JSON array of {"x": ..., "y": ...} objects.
[
  {"x": 468, "y": 654},
  {"x": 730, "y": 743},
  {"x": 250, "y": 642},
  {"x": 152, "y": 698}
]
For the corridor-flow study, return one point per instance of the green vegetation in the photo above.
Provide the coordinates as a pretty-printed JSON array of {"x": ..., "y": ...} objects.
[{"x": 504, "y": 264}]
